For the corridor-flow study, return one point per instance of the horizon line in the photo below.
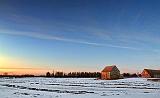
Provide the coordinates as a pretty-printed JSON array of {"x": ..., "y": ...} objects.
[{"x": 28, "y": 68}]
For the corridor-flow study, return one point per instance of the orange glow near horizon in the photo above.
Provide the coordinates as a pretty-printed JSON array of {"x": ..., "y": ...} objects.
[
  {"x": 14, "y": 66},
  {"x": 22, "y": 71},
  {"x": 17, "y": 67}
]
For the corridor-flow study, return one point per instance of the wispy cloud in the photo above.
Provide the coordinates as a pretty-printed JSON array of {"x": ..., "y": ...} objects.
[
  {"x": 51, "y": 37},
  {"x": 91, "y": 32}
]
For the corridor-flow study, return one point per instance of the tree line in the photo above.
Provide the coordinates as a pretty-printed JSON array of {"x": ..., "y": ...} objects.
[
  {"x": 59, "y": 74},
  {"x": 129, "y": 75},
  {"x": 74, "y": 74}
]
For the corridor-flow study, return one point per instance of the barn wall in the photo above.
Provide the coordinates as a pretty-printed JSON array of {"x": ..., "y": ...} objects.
[
  {"x": 105, "y": 75},
  {"x": 145, "y": 74},
  {"x": 156, "y": 76},
  {"x": 115, "y": 74}
]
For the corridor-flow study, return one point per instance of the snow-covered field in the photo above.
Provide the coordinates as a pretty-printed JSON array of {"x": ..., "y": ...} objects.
[{"x": 78, "y": 88}]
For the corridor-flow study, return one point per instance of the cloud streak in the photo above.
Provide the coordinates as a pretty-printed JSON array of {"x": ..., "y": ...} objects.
[{"x": 51, "y": 37}]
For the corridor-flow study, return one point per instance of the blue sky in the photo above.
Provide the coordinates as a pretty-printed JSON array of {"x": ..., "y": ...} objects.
[{"x": 80, "y": 35}]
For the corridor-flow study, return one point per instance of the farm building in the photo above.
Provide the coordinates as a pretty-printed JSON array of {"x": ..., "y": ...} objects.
[
  {"x": 149, "y": 73},
  {"x": 110, "y": 73}
]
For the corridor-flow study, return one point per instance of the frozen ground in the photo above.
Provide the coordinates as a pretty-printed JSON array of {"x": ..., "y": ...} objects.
[{"x": 78, "y": 88}]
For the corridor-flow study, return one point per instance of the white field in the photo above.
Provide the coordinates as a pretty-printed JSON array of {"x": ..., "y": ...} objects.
[{"x": 78, "y": 88}]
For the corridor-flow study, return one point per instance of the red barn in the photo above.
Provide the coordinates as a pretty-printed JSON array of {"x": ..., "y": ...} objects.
[
  {"x": 149, "y": 73},
  {"x": 110, "y": 73}
]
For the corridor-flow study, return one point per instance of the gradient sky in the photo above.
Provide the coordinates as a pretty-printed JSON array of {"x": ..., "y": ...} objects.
[{"x": 80, "y": 35}]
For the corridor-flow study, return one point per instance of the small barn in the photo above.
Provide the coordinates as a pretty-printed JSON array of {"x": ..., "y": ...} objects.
[
  {"x": 110, "y": 73},
  {"x": 150, "y": 73}
]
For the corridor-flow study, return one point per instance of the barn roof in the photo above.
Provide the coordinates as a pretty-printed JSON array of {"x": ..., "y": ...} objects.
[
  {"x": 108, "y": 68},
  {"x": 153, "y": 72}
]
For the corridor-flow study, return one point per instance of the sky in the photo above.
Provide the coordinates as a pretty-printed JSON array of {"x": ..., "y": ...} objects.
[{"x": 79, "y": 35}]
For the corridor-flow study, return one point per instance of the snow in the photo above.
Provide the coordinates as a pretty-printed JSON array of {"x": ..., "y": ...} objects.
[{"x": 78, "y": 88}]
